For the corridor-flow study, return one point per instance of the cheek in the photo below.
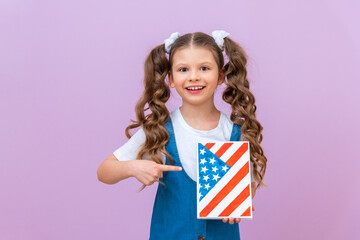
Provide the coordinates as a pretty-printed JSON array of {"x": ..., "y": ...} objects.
[
  {"x": 178, "y": 85},
  {"x": 178, "y": 80}
]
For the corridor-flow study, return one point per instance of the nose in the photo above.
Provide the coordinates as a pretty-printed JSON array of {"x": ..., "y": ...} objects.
[{"x": 194, "y": 76}]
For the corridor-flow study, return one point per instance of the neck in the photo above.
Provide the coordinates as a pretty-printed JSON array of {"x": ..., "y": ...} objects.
[{"x": 206, "y": 111}]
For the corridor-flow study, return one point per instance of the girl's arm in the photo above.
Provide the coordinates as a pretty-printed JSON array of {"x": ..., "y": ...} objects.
[
  {"x": 111, "y": 170},
  {"x": 118, "y": 166}
]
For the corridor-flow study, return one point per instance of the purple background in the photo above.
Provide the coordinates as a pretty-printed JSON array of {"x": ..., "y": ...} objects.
[{"x": 70, "y": 76}]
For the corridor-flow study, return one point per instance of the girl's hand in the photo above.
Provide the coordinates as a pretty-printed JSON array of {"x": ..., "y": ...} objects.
[
  {"x": 147, "y": 172},
  {"x": 237, "y": 220}
]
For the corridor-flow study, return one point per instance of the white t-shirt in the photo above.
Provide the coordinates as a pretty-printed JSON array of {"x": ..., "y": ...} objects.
[{"x": 186, "y": 139}]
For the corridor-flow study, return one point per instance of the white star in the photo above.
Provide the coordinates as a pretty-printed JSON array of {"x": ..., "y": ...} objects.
[
  {"x": 216, "y": 177},
  {"x": 214, "y": 169},
  {"x": 206, "y": 178},
  {"x": 207, "y": 186},
  {"x": 212, "y": 160},
  {"x": 204, "y": 169},
  {"x": 202, "y": 161},
  {"x": 224, "y": 168},
  {"x": 200, "y": 186},
  {"x": 200, "y": 195},
  {"x": 202, "y": 151}
]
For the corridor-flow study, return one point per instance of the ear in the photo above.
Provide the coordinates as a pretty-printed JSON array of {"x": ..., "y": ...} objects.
[
  {"x": 171, "y": 80},
  {"x": 221, "y": 76}
]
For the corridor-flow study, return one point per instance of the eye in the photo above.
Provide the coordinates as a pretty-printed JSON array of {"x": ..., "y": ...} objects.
[
  {"x": 204, "y": 68},
  {"x": 183, "y": 69}
]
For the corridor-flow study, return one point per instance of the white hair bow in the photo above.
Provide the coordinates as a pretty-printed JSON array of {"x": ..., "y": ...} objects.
[
  {"x": 169, "y": 41},
  {"x": 219, "y": 36}
]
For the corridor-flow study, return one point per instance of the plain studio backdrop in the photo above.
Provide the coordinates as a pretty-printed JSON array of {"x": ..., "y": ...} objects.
[{"x": 71, "y": 73}]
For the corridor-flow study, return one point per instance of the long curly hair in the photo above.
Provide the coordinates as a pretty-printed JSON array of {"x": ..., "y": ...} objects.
[{"x": 152, "y": 113}]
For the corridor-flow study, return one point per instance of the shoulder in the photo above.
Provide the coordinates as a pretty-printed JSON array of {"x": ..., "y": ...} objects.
[
  {"x": 138, "y": 135},
  {"x": 228, "y": 124},
  {"x": 174, "y": 114},
  {"x": 129, "y": 149},
  {"x": 225, "y": 116},
  {"x": 174, "y": 119},
  {"x": 225, "y": 121}
]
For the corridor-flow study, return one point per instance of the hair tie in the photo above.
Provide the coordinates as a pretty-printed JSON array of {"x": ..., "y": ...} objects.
[
  {"x": 169, "y": 41},
  {"x": 219, "y": 36}
]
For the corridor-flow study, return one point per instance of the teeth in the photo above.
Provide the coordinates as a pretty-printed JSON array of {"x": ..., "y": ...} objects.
[{"x": 195, "y": 88}]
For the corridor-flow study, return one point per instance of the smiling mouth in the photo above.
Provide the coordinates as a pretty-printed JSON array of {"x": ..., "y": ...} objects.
[{"x": 195, "y": 88}]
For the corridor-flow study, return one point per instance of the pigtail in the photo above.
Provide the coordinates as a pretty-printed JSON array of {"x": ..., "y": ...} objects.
[
  {"x": 156, "y": 94},
  {"x": 242, "y": 101}
]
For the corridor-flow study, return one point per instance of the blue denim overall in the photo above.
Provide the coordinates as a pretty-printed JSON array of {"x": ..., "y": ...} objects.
[{"x": 174, "y": 213}]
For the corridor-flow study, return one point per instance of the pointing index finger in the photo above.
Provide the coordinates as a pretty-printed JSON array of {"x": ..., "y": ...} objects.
[{"x": 170, "y": 168}]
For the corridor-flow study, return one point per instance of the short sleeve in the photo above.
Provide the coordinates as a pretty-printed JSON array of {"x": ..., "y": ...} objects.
[{"x": 130, "y": 149}]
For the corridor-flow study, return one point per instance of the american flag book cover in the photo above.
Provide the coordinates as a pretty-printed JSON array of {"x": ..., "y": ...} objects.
[{"x": 224, "y": 180}]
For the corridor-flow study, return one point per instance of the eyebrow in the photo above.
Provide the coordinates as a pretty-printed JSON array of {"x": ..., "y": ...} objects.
[{"x": 199, "y": 64}]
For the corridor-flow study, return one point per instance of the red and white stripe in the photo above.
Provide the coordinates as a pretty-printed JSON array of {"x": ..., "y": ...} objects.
[{"x": 231, "y": 196}]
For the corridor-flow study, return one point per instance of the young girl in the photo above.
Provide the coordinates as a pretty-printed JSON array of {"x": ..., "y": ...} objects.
[{"x": 194, "y": 67}]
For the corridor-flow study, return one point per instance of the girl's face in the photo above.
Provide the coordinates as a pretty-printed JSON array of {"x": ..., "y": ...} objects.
[{"x": 195, "y": 75}]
